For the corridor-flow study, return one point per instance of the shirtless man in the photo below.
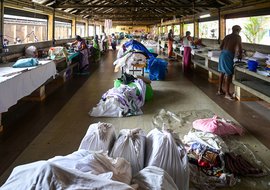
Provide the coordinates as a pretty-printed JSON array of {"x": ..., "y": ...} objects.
[{"x": 230, "y": 45}]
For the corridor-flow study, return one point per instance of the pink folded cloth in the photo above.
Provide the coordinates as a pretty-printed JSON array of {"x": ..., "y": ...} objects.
[{"x": 218, "y": 126}]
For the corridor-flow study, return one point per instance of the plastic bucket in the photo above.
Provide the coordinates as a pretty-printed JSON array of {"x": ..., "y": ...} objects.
[{"x": 252, "y": 65}]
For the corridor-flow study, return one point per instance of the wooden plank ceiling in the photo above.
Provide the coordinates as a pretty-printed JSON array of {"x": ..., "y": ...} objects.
[{"x": 138, "y": 11}]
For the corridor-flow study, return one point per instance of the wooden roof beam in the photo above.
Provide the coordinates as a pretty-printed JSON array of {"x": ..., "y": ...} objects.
[
  {"x": 81, "y": 6},
  {"x": 128, "y": 14}
]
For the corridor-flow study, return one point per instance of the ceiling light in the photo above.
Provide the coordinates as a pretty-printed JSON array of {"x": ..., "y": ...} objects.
[
  {"x": 205, "y": 16},
  {"x": 33, "y": 10}
]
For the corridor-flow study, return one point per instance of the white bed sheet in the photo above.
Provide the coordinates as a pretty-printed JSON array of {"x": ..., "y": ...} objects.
[{"x": 16, "y": 83}]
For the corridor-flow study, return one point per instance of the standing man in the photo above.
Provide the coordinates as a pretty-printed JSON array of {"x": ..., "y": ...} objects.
[
  {"x": 170, "y": 43},
  {"x": 231, "y": 44}
]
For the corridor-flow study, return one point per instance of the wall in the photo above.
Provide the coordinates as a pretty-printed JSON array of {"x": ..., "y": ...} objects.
[
  {"x": 131, "y": 29},
  {"x": 250, "y": 48},
  {"x": 256, "y": 47},
  {"x": 211, "y": 43},
  {"x": 16, "y": 51}
]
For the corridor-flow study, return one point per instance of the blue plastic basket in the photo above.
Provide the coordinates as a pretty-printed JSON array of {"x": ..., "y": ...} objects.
[{"x": 252, "y": 65}]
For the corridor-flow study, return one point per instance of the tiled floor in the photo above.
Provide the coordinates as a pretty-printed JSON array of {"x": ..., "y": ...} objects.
[{"x": 63, "y": 118}]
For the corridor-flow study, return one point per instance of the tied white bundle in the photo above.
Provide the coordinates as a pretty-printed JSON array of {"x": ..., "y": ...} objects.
[
  {"x": 99, "y": 136},
  {"x": 131, "y": 146},
  {"x": 165, "y": 150}
]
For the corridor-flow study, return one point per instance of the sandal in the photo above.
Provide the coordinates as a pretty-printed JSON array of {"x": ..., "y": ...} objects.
[
  {"x": 220, "y": 93},
  {"x": 231, "y": 98}
]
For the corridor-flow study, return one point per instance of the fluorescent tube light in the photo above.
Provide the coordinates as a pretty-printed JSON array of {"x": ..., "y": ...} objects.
[
  {"x": 33, "y": 10},
  {"x": 205, "y": 16}
]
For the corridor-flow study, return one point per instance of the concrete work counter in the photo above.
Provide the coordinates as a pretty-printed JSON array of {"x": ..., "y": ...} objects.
[{"x": 249, "y": 84}]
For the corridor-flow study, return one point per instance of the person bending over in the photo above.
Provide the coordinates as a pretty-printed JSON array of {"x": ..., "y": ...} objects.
[
  {"x": 83, "y": 54},
  {"x": 230, "y": 45}
]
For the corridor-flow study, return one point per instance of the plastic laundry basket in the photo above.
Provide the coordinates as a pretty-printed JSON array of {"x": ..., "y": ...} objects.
[{"x": 252, "y": 65}]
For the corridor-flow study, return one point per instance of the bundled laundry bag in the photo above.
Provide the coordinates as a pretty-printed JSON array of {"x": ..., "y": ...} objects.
[
  {"x": 47, "y": 175},
  {"x": 131, "y": 146},
  {"x": 165, "y": 150},
  {"x": 153, "y": 177},
  {"x": 148, "y": 93},
  {"x": 99, "y": 136},
  {"x": 27, "y": 62},
  {"x": 96, "y": 163},
  {"x": 157, "y": 68}
]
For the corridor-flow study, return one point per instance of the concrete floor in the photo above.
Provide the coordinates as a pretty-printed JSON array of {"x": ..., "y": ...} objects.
[{"x": 65, "y": 131}]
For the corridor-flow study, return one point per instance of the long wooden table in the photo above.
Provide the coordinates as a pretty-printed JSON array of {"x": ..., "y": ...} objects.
[{"x": 18, "y": 83}]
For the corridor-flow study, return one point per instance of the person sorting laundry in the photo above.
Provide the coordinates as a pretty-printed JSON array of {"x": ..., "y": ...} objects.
[
  {"x": 231, "y": 45},
  {"x": 83, "y": 56}
]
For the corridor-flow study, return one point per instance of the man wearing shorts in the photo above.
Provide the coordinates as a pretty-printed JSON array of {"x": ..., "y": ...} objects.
[{"x": 230, "y": 45}]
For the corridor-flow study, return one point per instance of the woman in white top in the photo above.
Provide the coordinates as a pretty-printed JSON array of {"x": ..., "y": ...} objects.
[
  {"x": 187, "y": 42},
  {"x": 104, "y": 40}
]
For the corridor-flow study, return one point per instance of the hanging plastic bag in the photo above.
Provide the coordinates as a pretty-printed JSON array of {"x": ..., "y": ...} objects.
[
  {"x": 99, "y": 136},
  {"x": 131, "y": 146}
]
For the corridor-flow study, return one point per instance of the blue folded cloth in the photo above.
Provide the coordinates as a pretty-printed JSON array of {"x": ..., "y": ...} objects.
[{"x": 27, "y": 62}]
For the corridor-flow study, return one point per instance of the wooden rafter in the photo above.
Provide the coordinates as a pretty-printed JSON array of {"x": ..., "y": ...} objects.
[
  {"x": 81, "y": 6},
  {"x": 136, "y": 10}
]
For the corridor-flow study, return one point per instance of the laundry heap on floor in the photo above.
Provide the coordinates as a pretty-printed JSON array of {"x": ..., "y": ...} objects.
[
  {"x": 136, "y": 160},
  {"x": 132, "y": 161},
  {"x": 215, "y": 158},
  {"x": 125, "y": 99},
  {"x": 135, "y": 54}
]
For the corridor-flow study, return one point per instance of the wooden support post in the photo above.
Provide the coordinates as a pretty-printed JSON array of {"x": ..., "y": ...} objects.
[
  {"x": 243, "y": 95},
  {"x": 222, "y": 27},
  {"x": 51, "y": 27},
  {"x": 37, "y": 95},
  {"x": 86, "y": 34},
  {"x": 182, "y": 29},
  {"x": 212, "y": 78},
  {"x": 73, "y": 33},
  {"x": 194, "y": 65},
  {"x": 196, "y": 29},
  {"x": 95, "y": 30}
]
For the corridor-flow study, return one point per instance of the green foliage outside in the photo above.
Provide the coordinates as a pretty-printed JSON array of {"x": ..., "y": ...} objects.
[{"x": 255, "y": 30}]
